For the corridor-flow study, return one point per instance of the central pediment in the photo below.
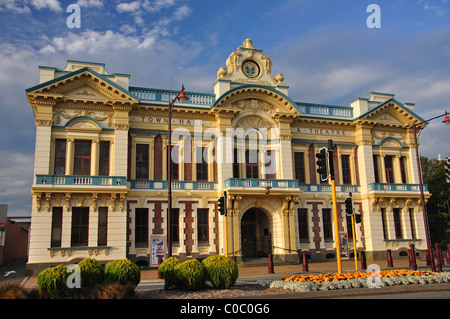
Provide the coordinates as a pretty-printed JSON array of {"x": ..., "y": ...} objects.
[{"x": 257, "y": 99}]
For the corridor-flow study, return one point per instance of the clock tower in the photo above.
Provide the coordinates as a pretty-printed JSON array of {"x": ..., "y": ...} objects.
[{"x": 248, "y": 65}]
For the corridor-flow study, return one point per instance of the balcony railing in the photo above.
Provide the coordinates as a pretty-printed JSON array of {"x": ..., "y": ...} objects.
[
  {"x": 158, "y": 95},
  {"x": 79, "y": 180},
  {"x": 326, "y": 110},
  {"x": 176, "y": 185},
  {"x": 325, "y": 188},
  {"x": 261, "y": 183},
  {"x": 396, "y": 187}
]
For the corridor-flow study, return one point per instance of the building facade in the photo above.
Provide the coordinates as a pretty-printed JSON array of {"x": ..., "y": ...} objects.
[{"x": 102, "y": 155}]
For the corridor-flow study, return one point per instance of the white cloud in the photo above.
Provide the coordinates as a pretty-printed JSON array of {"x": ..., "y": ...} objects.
[
  {"x": 50, "y": 4},
  {"x": 16, "y": 170},
  {"x": 157, "y": 5},
  {"x": 90, "y": 3},
  {"x": 13, "y": 6},
  {"x": 439, "y": 11},
  {"x": 182, "y": 12},
  {"x": 92, "y": 42},
  {"x": 129, "y": 7}
]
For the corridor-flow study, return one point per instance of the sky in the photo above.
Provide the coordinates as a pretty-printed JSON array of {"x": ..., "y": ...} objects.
[{"x": 326, "y": 50}]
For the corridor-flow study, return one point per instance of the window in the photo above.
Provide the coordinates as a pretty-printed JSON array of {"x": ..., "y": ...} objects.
[
  {"x": 299, "y": 165},
  {"x": 175, "y": 216},
  {"x": 203, "y": 225},
  {"x": 80, "y": 226},
  {"x": 202, "y": 164},
  {"x": 102, "y": 226},
  {"x": 142, "y": 161},
  {"x": 60, "y": 157},
  {"x": 251, "y": 163},
  {"x": 397, "y": 224},
  {"x": 141, "y": 226},
  {"x": 376, "y": 169},
  {"x": 103, "y": 165},
  {"x": 82, "y": 158},
  {"x": 56, "y": 227},
  {"x": 384, "y": 223},
  {"x": 388, "y": 165},
  {"x": 236, "y": 162},
  {"x": 271, "y": 169},
  {"x": 412, "y": 219},
  {"x": 303, "y": 224},
  {"x": 346, "y": 172},
  {"x": 327, "y": 227},
  {"x": 173, "y": 156},
  {"x": 403, "y": 169}
]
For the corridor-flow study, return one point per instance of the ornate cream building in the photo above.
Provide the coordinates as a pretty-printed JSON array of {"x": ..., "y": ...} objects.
[{"x": 100, "y": 183}]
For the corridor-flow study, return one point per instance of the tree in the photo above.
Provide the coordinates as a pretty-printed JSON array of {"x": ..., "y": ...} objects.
[{"x": 438, "y": 204}]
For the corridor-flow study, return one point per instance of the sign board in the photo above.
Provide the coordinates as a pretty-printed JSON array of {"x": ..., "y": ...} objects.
[
  {"x": 343, "y": 242},
  {"x": 158, "y": 248}
]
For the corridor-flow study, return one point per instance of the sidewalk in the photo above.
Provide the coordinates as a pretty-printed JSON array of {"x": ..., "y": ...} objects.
[{"x": 260, "y": 271}]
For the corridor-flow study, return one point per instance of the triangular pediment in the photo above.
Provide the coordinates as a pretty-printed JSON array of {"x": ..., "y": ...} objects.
[
  {"x": 82, "y": 85},
  {"x": 391, "y": 113},
  {"x": 84, "y": 92}
]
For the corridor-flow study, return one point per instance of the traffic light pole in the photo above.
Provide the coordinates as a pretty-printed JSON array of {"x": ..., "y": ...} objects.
[
  {"x": 354, "y": 242},
  {"x": 333, "y": 191}
]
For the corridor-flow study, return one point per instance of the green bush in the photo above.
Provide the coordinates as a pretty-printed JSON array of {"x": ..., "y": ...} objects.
[
  {"x": 190, "y": 275},
  {"x": 92, "y": 273},
  {"x": 122, "y": 271},
  {"x": 52, "y": 282},
  {"x": 167, "y": 271},
  {"x": 221, "y": 271}
]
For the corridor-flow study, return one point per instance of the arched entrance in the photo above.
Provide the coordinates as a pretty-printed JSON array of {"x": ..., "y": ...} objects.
[{"x": 256, "y": 237}]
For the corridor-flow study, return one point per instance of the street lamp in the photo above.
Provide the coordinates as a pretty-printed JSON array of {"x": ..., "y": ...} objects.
[
  {"x": 446, "y": 121},
  {"x": 181, "y": 97}
]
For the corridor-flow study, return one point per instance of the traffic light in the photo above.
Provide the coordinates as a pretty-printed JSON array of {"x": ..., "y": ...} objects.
[
  {"x": 322, "y": 164},
  {"x": 222, "y": 207},
  {"x": 447, "y": 169},
  {"x": 357, "y": 218},
  {"x": 349, "y": 206}
]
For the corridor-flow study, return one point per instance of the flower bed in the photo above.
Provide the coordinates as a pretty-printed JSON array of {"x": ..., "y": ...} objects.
[{"x": 357, "y": 279}]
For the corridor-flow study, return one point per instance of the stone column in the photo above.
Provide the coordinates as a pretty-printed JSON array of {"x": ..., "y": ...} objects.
[{"x": 70, "y": 152}]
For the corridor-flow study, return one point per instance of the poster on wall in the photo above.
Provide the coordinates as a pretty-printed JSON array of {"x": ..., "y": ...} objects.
[
  {"x": 158, "y": 248},
  {"x": 343, "y": 241}
]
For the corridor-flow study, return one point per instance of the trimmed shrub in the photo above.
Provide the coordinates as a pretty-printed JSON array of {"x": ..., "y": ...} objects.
[
  {"x": 167, "y": 271},
  {"x": 92, "y": 273},
  {"x": 122, "y": 271},
  {"x": 190, "y": 275},
  {"x": 221, "y": 271},
  {"x": 52, "y": 282}
]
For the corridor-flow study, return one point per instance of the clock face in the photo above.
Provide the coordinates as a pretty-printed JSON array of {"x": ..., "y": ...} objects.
[{"x": 250, "y": 69}]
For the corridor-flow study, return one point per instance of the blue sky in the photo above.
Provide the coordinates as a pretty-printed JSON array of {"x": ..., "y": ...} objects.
[{"x": 324, "y": 49}]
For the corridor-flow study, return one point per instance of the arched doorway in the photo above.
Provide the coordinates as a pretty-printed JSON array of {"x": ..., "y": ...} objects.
[{"x": 256, "y": 237}]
